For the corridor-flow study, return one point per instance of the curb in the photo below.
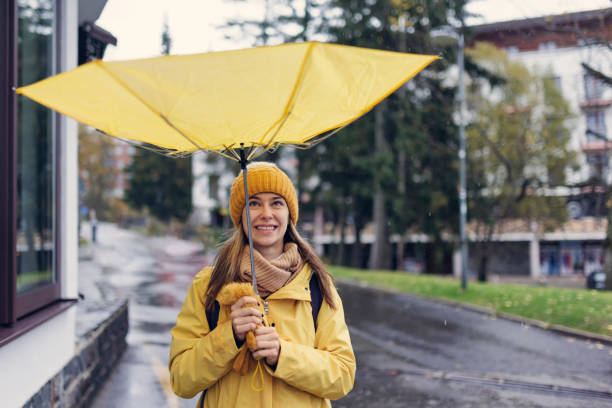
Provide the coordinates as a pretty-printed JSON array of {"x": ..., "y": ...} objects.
[{"x": 568, "y": 331}]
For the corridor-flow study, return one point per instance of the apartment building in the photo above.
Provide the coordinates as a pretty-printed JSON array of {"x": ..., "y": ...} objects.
[{"x": 575, "y": 47}]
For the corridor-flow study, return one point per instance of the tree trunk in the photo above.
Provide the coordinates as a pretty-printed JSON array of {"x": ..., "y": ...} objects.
[
  {"x": 380, "y": 251},
  {"x": 400, "y": 253},
  {"x": 319, "y": 223},
  {"x": 356, "y": 252},
  {"x": 341, "y": 245},
  {"x": 482, "y": 268}
]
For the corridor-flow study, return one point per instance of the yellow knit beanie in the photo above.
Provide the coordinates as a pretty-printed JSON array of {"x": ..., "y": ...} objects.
[{"x": 262, "y": 177}]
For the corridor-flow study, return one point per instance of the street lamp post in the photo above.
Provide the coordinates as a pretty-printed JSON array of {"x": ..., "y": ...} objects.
[
  {"x": 443, "y": 34},
  {"x": 462, "y": 175}
]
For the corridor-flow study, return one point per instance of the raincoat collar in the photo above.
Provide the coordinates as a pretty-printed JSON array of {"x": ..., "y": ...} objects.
[{"x": 298, "y": 288}]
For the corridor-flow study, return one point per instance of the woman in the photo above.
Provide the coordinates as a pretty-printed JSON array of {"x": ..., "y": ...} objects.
[{"x": 302, "y": 367}]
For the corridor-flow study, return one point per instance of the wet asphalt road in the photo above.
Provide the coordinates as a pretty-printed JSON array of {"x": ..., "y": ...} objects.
[
  {"x": 417, "y": 353},
  {"x": 410, "y": 352}
]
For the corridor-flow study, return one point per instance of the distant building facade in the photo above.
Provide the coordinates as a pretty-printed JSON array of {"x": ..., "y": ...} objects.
[
  {"x": 122, "y": 157},
  {"x": 575, "y": 48}
]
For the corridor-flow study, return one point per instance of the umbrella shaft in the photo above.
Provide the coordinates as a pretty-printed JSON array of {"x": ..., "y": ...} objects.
[{"x": 243, "y": 165}]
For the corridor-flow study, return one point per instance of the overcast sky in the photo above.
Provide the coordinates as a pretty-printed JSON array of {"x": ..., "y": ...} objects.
[{"x": 137, "y": 24}]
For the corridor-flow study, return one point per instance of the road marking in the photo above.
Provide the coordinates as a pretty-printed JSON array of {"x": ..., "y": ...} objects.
[{"x": 163, "y": 376}]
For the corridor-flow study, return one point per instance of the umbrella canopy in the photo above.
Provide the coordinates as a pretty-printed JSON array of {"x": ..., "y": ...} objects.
[
  {"x": 235, "y": 103},
  {"x": 258, "y": 97}
]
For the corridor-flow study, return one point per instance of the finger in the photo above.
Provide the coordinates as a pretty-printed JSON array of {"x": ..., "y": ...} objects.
[
  {"x": 245, "y": 328},
  {"x": 249, "y": 300},
  {"x": 265, "y": 345},
  {"x": 266, "y": 331},
  {"x": 247, "y": 319},
  {"x": 267, "y": 337},
  {"x": 246, "y": 312},
  {"x": 258, "y": 319},
  {"x": 264, "y": 353}
]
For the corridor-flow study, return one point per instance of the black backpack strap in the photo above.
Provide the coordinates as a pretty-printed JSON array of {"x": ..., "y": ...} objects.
[
  {"x": 212, "y": 316},
  {"x": 316, "y": 299}
]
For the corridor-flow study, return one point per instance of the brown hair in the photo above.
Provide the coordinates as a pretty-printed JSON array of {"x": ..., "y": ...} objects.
[{"x": 227, "y": 264}]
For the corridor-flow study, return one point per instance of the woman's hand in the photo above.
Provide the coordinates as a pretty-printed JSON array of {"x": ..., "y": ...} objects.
[
  {"x": 268, "y": 345},
  {"x": 245, "y": 319}
]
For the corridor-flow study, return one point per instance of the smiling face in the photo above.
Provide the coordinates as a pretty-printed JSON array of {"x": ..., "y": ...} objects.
[{"x": 269, "y": 220}]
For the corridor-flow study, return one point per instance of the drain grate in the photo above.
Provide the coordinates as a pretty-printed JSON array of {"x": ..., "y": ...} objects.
[
  {"x": 483, "y": 380},
  {"x": 506, "y": 383}
]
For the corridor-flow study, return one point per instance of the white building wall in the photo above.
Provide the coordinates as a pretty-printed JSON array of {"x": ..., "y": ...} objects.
[
  {"x": 34, "y": 358},
  {"x": 69, "y": 168},
  {"x": 202, "y": 201},
  {"x": 565, "y": 63}
]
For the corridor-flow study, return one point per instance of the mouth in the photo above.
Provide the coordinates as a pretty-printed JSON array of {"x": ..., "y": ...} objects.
[{"x": 266, "y": 227}]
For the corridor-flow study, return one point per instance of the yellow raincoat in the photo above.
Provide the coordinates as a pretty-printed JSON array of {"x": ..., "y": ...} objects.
[{"x": 312, "y": 367}]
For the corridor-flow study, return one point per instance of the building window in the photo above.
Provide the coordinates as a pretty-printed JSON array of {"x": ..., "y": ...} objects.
[
  {"x": 512, "y": 49},
  {"x": 598, "y": 164},
  {"x": 593, "y": 87},
  {"x": 596, "y": 126},
  {"x": 30, "y": 279},
  {"x": 213, "y": 186},
  {"x": 547, "y": 46}
]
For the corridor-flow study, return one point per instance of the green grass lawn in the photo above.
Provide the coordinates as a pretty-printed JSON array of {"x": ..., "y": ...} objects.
[{"x": 576, "y": 308}]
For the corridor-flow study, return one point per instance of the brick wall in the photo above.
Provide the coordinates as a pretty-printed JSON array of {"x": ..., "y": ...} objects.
[{"x": 96, "y": 354}]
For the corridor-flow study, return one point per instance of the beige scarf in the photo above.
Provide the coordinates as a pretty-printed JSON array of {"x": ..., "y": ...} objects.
[{"x": 271, "y": 275}]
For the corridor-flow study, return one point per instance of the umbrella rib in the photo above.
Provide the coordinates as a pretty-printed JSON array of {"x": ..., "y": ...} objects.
[
  {"x": 231, "y": 149},
  {"x": 180, "y": 132},
  {"x": 290, "y": 102},
  {"x": 315, "y": 140},
  {"x": 135, "y": 95},
  {"x": 227, "y": 156}
]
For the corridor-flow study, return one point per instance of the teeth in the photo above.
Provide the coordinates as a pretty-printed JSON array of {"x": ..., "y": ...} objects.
[{"x": 265, "y": 228}]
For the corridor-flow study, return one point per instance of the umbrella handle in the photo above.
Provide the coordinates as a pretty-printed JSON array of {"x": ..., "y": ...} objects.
[{"x": 243, "y": 166}]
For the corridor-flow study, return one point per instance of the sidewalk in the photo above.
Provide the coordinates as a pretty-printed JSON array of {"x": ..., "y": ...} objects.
[
  {"x": 573, "y": 281},
  {"x": 153, "y": 274}
]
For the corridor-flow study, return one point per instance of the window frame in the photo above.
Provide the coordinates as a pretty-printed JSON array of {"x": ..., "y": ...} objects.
[
  {"x": 596, "y": 117},
  {"x": 593, "y": 87},
  {"x": 13, "y": 306}
]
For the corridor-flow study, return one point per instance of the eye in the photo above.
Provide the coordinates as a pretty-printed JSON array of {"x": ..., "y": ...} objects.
[
  {"x": 278, "y": 203},
  {"x": 253, "y": 203}
]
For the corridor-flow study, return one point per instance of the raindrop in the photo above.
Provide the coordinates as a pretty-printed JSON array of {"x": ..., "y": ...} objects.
[
  {"x": 429, "y": 214},
  {"x": 445, "y": 322}
]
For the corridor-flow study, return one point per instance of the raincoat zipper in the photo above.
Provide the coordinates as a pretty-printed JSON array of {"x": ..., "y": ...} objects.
[{"x": 266, "y": 306}]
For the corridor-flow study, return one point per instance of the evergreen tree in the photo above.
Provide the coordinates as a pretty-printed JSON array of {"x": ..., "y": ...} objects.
[
  {"x": 160, "y": 183},
  {"x": 408, "y": 144}
]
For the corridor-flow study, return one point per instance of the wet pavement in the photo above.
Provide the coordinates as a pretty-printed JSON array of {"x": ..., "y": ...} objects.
[
  {"x": 411, "y": 352},
  {"x": 154, "y": 273},
  {"x": 418, "y": 353}
]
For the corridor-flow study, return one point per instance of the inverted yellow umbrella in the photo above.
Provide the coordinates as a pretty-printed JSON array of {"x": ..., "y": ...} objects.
[{"x": 235, "y": 103}]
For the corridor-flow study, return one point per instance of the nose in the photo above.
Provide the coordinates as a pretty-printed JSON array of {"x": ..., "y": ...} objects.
[{"x": 266, "y": 211}]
